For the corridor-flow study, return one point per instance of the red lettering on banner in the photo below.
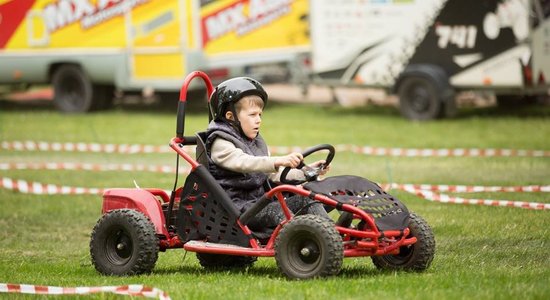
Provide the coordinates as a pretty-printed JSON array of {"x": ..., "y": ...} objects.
[
  {"x": 62, "y": 13},
  {"x": 235, "y": 18}
]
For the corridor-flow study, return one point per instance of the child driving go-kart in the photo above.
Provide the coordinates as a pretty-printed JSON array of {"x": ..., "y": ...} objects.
[
  {"x": 239, "y": 203},
  {"x": 238, "y": 156}
]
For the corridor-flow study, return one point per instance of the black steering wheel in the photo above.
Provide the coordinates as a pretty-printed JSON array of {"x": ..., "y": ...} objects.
[{"x": 309, "y": 172}]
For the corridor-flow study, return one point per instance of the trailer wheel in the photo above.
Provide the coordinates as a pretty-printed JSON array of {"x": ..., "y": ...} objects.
[
  {"x": 309, "y": 246},
  {"x": 419, "y": 99},
  {"x": 75, "y": 93},
  {"x": 416, "y": 257},
  {"x": 123, "y": 243}
]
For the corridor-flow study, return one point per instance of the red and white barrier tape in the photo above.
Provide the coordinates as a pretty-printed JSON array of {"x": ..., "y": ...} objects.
[
  {"x": 474, "y": 188},
  {"x": 38, "y": 188},
  {"x": 91, "y": 167},
  {"x": 422, "y": 190},
  {"x": 442, "y": 198},
  {"x": 84, "y": 147},
  {"x": 366, "y": 150},
  {"x": 169, "y": 169},
  {"x": 129, "y": 290}
]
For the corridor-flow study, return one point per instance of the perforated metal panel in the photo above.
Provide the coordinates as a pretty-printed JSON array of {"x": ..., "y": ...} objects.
[
  {"x": 388, "y": 212},
  {"x": 202, "y": 215}
]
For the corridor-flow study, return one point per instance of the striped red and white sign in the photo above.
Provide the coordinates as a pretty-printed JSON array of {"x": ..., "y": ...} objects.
[
  {"x": 129, "y": 290},
  {"x": 366, "y": 150}
]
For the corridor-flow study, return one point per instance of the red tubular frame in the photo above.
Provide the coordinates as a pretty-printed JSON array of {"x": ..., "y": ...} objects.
[
  {"x": 189, "y": 78},
  {"x": 174, "y": 142},
  {"x": 356, "y": 248}
]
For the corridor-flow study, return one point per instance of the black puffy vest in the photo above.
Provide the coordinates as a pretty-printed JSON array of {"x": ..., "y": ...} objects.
[{"x": 243, "y": 188}]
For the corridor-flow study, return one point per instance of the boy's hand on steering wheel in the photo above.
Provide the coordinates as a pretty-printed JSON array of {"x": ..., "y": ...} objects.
[
  {"x": 291, "y": 160},
  {"x": 320, "y": 164}
]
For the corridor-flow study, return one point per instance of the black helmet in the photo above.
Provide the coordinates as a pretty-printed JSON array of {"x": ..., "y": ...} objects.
[{"x": 231, "y": 91}]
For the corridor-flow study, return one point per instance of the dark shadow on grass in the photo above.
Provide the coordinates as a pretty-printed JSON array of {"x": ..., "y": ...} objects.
[
  {"x": 27, "y": 106},
  {"x": 525, "y": 111},
  {"x": 365, "y": 271},
  {"x": 196, "y": 104},
  {"x": 254, "y": 271},
  {"x": 338, "y": 110},
  {"x": 464, "y": 113},
  {"x": 350, "y": 272},
  {"x": 537, "y": 110}
]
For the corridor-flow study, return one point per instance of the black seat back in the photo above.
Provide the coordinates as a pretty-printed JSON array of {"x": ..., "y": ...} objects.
[
  {"x": 206, "y": 211},
  {"x": 200, "y": 154}
]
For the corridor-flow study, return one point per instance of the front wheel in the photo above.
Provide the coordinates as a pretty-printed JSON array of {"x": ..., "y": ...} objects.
[
  {"x": 309, "y": 246},
  {"x": 415, "y": 257},
  {"x": 124, "y": 242}
]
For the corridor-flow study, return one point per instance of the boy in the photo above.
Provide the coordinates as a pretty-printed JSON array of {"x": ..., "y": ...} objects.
[{"x": 239, "y": 158}]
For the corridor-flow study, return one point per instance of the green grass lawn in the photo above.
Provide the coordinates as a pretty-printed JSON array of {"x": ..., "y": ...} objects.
[{"x": 482, "y": 252}]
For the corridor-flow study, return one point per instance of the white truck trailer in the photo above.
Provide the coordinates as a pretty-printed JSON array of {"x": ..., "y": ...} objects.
[{"x": 426, "y": 51}]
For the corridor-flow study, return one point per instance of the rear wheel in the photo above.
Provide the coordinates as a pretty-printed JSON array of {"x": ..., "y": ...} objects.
[
  {"x": 416, "y": 257},
  {"x": 124, "y": 242},
  {"x": 419, "y": 99},
  {"x": 309, "y": 246}
]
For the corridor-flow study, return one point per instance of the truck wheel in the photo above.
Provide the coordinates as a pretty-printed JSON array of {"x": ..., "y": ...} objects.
[
  {"x": 123, "y": 243},
  {"x": 75, "y": 93},
  {"x": 221, "y": 261},
  {"x": 309, "y": 246},
  {"x": 416, "y": 257},
  {"x": 419, "y": 99}
]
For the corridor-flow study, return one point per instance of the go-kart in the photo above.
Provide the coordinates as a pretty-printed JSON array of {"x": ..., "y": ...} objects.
[{"x": 200, "y": 217}]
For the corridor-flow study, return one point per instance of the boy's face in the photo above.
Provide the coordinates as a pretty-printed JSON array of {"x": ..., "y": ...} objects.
[{"x": 250, "y": 117}]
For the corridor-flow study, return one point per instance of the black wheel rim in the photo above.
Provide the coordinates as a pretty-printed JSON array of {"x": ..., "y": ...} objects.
[
  {"x": 405, "y": 254},
  {"x": 420, "y": 98},
  {"x": 118, "y": 247},
  {"x": 304, "y": 252},
  {"x": 71, "y": 91}
]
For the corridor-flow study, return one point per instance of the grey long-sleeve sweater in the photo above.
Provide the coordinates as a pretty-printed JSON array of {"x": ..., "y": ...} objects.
[{"x": 226, "y": 155}]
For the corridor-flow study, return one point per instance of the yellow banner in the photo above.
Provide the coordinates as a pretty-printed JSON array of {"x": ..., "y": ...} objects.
[
  {"x": 69, "y": 24},
  {"x": 243, "y": 25}
]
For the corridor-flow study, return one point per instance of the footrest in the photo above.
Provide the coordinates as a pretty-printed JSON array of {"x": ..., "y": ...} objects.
[{"x": 227, "y": 249}]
